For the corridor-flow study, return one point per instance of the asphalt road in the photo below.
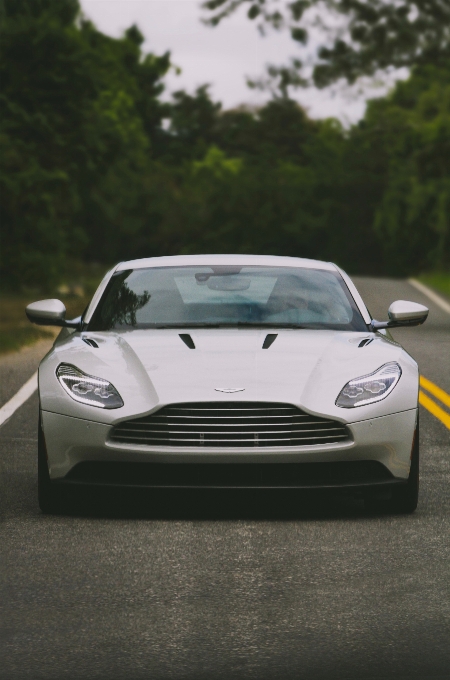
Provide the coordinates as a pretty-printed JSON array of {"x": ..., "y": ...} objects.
[{"x": 228, "y": 586}]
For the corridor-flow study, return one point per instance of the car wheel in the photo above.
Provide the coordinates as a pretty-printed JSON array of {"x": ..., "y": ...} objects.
[
  {"x": 48, "y": 499},
  {"x": 404, "y": 498}
]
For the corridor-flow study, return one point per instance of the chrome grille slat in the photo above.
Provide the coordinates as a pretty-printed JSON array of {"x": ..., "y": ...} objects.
[
  {"x": 172, "y": 435},
  {"x": 268, "y": 428},
  {"x": 260, "y": 426},
  {"x": 232, "y": 417},
  {"x": 262, "y": 432},
  {"x": 230, "y": 410},
  {"x": 248, "y": 439}
]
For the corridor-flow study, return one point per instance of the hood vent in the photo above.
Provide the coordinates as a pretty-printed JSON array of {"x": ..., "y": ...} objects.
[
  {"x": 90, "y": 342},
  {"x": 365, "y": 341},
  {"x": 270, "y": 339},
  {"x": 188, "y": 341}
]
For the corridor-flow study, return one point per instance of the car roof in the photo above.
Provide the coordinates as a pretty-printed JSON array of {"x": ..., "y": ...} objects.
[{"x": 207, "y": 260}]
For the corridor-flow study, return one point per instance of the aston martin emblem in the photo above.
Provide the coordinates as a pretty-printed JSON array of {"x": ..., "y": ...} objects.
[{"x": 229, "y": 390}]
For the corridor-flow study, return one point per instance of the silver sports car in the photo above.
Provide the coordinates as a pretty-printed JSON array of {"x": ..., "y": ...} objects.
[{"x": 229, "y": 371}]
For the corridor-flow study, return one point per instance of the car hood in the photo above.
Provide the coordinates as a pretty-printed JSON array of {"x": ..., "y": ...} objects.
[{"x": 308, "y": 368}]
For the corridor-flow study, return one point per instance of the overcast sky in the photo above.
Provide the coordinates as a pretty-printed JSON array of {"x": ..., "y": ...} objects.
[{"x": 222, "y": 56}]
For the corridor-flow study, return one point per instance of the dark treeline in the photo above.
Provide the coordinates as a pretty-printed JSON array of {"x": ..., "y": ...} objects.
[{"x": 96, "y": 166}]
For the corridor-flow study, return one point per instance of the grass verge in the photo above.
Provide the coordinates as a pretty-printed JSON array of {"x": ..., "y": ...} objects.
[
  {"x": 15, "y": 329},
  {"x": 440, "y": 281},
  {"x": 76, "y": 292},
  {"x": 12, "y": 339}
]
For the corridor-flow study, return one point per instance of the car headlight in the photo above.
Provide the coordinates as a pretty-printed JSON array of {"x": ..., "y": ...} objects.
[
  {"x": 370, "y": 388},
  {"x": 88, "y": 389}
]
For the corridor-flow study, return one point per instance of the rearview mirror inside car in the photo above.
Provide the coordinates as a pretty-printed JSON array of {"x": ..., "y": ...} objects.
[{"x": 228, "y": 283}]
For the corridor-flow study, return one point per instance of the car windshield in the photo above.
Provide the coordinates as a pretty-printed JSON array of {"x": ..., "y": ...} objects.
[{"x": 220, "y": 296}]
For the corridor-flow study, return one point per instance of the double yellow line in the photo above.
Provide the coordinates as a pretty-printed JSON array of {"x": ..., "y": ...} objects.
[{"x": 430, "y": 404}]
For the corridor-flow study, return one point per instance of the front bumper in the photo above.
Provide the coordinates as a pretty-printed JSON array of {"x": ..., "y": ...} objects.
[{"x": 385, "y": 441}]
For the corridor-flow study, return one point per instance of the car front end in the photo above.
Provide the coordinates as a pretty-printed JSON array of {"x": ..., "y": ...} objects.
[{"x": 184, "y": 373}]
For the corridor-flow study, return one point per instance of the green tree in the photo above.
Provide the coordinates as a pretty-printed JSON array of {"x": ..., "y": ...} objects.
[
  {"x": 191, "y": 127},
  {"x": 411, "y": 129},
  {"x": 71, "y": 133},
  {"x": 255, "y": 204},
  {"x": 93, "y": 164}
]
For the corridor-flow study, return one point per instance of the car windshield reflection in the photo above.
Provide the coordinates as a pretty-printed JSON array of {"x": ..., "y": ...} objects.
[{"x": 226, "y": 296}]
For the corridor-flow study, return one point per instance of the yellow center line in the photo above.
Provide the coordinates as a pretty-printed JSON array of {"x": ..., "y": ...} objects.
[
  {"x": 435, "y": 390},
  {"x": 434, "y": 409}
]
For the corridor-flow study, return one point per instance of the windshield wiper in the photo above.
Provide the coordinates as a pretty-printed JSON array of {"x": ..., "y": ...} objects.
[
  {"x": 262, "y": 324},
  {"x": 231, "y": 324}
]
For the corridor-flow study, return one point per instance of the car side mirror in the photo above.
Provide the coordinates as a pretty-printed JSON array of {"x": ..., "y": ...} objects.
[
  {"x": 403, "y": 313},
  {"x": 49, "y": 313}
]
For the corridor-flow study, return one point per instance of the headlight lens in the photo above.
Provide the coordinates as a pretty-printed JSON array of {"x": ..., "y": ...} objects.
[
  {"x": 87, "y": 389},
  {"x": 370, "y": 388}
]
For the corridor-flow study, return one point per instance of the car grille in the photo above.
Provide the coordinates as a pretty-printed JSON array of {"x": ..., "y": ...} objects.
[{"x": 230, "y": 424}]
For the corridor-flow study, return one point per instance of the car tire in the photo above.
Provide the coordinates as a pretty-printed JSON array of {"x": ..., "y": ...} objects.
[
  {"x": 48, "y": 497},
  {"x": 404, "y": 498}
]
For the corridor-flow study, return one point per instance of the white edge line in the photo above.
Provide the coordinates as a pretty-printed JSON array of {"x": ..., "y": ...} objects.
[
  {"x": 440, "y": 302},
  {"x": 18, "y": 399}
]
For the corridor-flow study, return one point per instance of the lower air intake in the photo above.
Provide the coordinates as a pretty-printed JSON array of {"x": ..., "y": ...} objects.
[
  {"x": 230, "y": 424},
  {"x": 231, "y": 476}
]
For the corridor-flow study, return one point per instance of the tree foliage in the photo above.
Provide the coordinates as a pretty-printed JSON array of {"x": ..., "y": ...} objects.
[
  {"x": 94, "y": 165},
  {"x": 72, "y": 126},
  {"x": 358, "y": 37},
  {"x": 413, "y": 215}
]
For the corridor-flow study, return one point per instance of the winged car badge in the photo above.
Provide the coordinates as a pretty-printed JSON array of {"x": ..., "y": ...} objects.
[{"x": 229, "y": 390}]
